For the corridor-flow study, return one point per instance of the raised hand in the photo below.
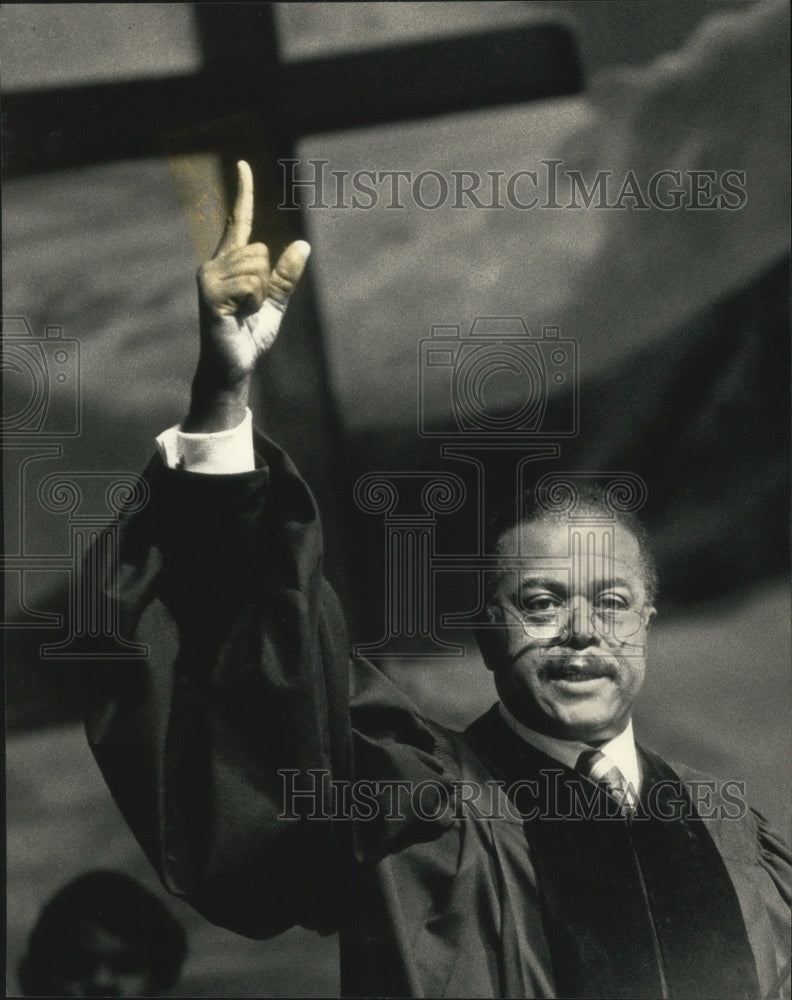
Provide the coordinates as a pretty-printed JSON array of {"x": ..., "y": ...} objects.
[{"x": 241, "y": 305}]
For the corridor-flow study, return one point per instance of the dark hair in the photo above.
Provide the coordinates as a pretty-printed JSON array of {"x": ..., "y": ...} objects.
[
  {"x": 589, "y": 499},
  {"x": 120, "y": 905}
]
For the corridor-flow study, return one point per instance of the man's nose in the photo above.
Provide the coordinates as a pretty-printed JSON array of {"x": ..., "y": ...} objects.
[{"x": 581, "y": 631}]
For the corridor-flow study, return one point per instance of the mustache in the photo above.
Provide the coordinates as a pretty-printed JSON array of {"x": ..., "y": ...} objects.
[{"x": 560, "y": 666}]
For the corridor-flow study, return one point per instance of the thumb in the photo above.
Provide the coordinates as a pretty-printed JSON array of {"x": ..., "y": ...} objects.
[{"x": 240, "y": 221}]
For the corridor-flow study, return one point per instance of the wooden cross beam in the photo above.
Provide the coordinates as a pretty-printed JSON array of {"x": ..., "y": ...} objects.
[{"x": 65, "y": 127}]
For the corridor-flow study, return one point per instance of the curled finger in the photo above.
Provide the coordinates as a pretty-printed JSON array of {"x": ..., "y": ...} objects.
[{"x": 241, "y": 293}]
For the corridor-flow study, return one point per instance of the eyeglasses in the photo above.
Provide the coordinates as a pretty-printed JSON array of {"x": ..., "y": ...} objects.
[{"x": 553, "y": 624}]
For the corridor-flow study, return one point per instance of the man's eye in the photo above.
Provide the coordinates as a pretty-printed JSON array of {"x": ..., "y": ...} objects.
[
  {"x": 541, "y": 602},
  {"x": 612, "y": 602}
]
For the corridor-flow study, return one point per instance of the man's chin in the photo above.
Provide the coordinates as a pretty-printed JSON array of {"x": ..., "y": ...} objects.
[{"x": 582, "y": 711}]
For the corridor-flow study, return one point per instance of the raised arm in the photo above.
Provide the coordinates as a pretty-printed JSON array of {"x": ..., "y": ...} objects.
[{"x": 247, "y": 672}]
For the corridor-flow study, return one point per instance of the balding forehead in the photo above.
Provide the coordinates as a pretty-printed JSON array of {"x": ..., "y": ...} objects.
[{"x": 560, "y": 539}]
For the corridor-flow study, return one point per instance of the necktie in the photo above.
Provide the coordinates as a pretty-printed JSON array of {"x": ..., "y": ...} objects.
[{"x": 603, "y": 772}]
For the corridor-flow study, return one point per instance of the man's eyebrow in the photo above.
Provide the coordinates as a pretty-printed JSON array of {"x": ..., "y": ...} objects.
[
  {"x": 547, "y": 582},
  {"x": 556, "y": 583},
  {"x": 616, "y": 581}
]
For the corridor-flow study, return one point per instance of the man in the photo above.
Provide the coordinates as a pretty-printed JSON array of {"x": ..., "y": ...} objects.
[{"x": 540, "y": 853}]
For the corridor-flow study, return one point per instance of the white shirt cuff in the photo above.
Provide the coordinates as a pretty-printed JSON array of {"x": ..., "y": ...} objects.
[{"x": 221, "y": 453}]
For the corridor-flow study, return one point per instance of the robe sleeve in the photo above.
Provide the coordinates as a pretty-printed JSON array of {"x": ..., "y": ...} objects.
[
  {"x": 775, "y": 865},
  {"x": 246, "y": 680}
]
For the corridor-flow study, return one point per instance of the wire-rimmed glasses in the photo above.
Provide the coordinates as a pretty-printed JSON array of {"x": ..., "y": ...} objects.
[{"x": 555, "y": 624}]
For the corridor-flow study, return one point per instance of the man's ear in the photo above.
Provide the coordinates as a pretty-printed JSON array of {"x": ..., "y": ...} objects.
[
  {"x": 650, "y": 616},
  {"x": 487, "y": 636},
  {"x": 484, "y": 638},
  {"x": 493, "y": 615}
]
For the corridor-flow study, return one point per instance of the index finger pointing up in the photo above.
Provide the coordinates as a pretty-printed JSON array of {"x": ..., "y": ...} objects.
[{"x": 240, "y": 222}]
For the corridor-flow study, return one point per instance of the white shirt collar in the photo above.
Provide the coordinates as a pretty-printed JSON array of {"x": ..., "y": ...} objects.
[{"x": 621, "y": 749}]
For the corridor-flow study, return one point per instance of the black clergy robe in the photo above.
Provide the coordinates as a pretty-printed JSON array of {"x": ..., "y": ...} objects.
[{"x": 248, "y": 698}]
